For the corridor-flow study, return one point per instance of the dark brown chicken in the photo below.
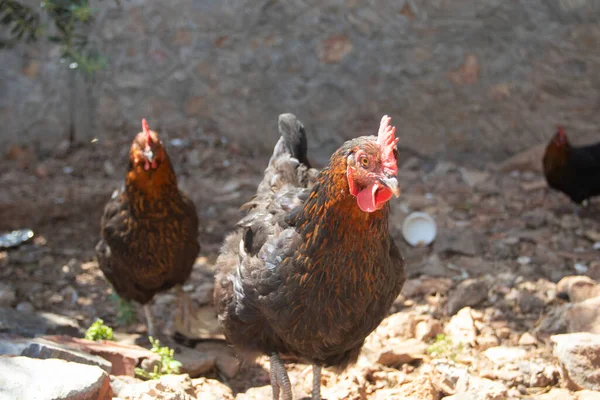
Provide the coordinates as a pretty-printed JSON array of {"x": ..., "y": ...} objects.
[
  {"x": 312, "y": 269},
  {"x": 572, "y": 170},
  {"x": 149, "y": 230}
]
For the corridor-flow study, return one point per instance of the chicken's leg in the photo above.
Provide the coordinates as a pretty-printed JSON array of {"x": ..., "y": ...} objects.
[
  {"x": 316, "y": 389},
  {"x": 150, "y": 320},
  {"x": 280, "y": 382},
  {"x": 185, "y": 309}
]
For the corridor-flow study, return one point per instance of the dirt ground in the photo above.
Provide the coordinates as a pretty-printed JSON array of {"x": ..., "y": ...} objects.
[{"x": 491, "y": 224}]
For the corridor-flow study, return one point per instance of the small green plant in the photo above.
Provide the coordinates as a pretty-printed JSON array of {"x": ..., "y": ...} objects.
[
  {"x": 125, "y": 313},
  {"x": 168, "y": 364},
  {"x": 443, "y": 347},
  {"x": 99, "y": 331}
]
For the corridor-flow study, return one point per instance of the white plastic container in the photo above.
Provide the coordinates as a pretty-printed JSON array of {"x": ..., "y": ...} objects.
[{"x": 419, "y": 229}]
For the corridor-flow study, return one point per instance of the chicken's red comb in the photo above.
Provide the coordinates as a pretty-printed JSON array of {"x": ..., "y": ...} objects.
[
  {"x": 146, "y": 131},
  {"x": 561, "y": 131},
  {"x": 387, "y": 141}
]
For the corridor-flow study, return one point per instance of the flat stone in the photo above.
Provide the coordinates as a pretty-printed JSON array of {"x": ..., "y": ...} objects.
[
  {"x": 419, "y": 389},
  {"x": 473, "y": 178},
  {"x": 470, "y": 292},
  {"x": 579, "y": 355},
  {"x": 44, "y": 349},
  {"x": 461, "y": 328},
  {"x": 36, "y": 324},
  {"x": 30, "y": 378},
  {"x": 225, "y": 359},
  {"x": 426, "y": 285},
  {"x": 456, "y": 241},
  {"x": 427, "y": 329},
  {"x": 211, "y": 389},
  {"x": 400, "y": 352},
  {"x": 123, "y": 357},
  {"x": 578, "y": 288},
  {"x": 451, "y": 378},
  {"x": 167, "y": 387},
  {"x": 504, "y": 354},
  {"x": 195, "y": 363},
  {"x": 588, "y": 395},
  {"x": 584, "y": 316}
]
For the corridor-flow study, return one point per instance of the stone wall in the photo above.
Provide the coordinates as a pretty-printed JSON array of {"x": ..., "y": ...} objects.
[{"x": 457, "y": 76}]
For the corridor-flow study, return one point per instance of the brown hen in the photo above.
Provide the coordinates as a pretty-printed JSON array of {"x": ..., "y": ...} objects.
[
  {"x": 312, "y": 269},
  {"x": 149, "y": 230}
]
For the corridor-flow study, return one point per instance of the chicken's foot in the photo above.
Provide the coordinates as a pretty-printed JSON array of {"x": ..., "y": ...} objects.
[
  {"x": 280, "y": 381},
  {"x": 316, "y": 389},
  {"x": 185, "y": 309},
  {"x": 150, "y": 321}
]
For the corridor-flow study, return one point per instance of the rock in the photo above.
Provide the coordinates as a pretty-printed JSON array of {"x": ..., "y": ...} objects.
[
  {"x": 109, "y": 168},
  {"x": 527, "y": 339},
  {"x": 8, "y": 295},
  {"x": 228, "y": 365},
  {"x": 401, "y": 352},
  {"x": 419, "y": 389},
  {"x": 204, "y": 324},
  {"x": 167, "y": 387},
  {"x": 119, "y": 383},
  {"x": 556, "y": 394},
  {"x": 44, "y": 349},
  {"x": 25, "y": 307},
  {"x": 426, "y": 285},
  {"x": 504, "y": 354},
  {"x": 194, "y": 158},
  {"x": 528, "y": 160},
  {"x": 473, "y": 178},
  {"x": 594, "y": 270},
  {"x": 530, "y": 302},
  {"x": 588, "y": 395},
  {"x": 579, "y": 355},
  {"x": 450, "y": 378},
  {"x": 123, "y": 357},
  {"x": 555, "y": 321},
  {"x": 259, "y": 393},
  {"x": 195, "y": 363},
  {"x": 469, "y": 292},
  {"x": 30, "y": 378},
  {"x": 211, "y": 389},
  {"x": 456, "y": 241},
  {"x": 578, "y": 288},
  {"x": 487, "y": 341},
  {"x": 428, "y": 329},
  {"x": 225, "y": 360},
  {"x": 432, "y": 266},
  {"x": 584, "y": 316},
  {"x": 334, "y": 49},
  {"x": 461, "y": 396},
  {"x": 461, "y": 328},
  {"x": 30, "y": 325},
  {"x": 398, "y": 325},
  {"x": 466, "y": 74},
  {"x": 542, "y": 375}
]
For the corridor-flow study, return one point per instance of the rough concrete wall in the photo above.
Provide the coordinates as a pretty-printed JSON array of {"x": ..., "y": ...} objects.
[{"x": 491, "y": 76}]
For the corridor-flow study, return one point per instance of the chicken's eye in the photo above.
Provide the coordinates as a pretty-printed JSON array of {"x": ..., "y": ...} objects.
[{"x": 364, "y": 161}]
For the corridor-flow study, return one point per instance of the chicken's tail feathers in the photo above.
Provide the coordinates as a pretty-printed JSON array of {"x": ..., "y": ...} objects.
[{"x": 293, "y": 139}]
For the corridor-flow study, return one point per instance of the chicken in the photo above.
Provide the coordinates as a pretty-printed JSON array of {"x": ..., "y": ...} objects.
[
  {"x": 574, "y": 171},
  {"x": 312, "y": 269},
  {"x": 149, "y": 230}
]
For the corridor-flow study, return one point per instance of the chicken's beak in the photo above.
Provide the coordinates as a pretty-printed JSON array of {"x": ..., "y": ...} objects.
[{"x": 392, "y": 184}]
